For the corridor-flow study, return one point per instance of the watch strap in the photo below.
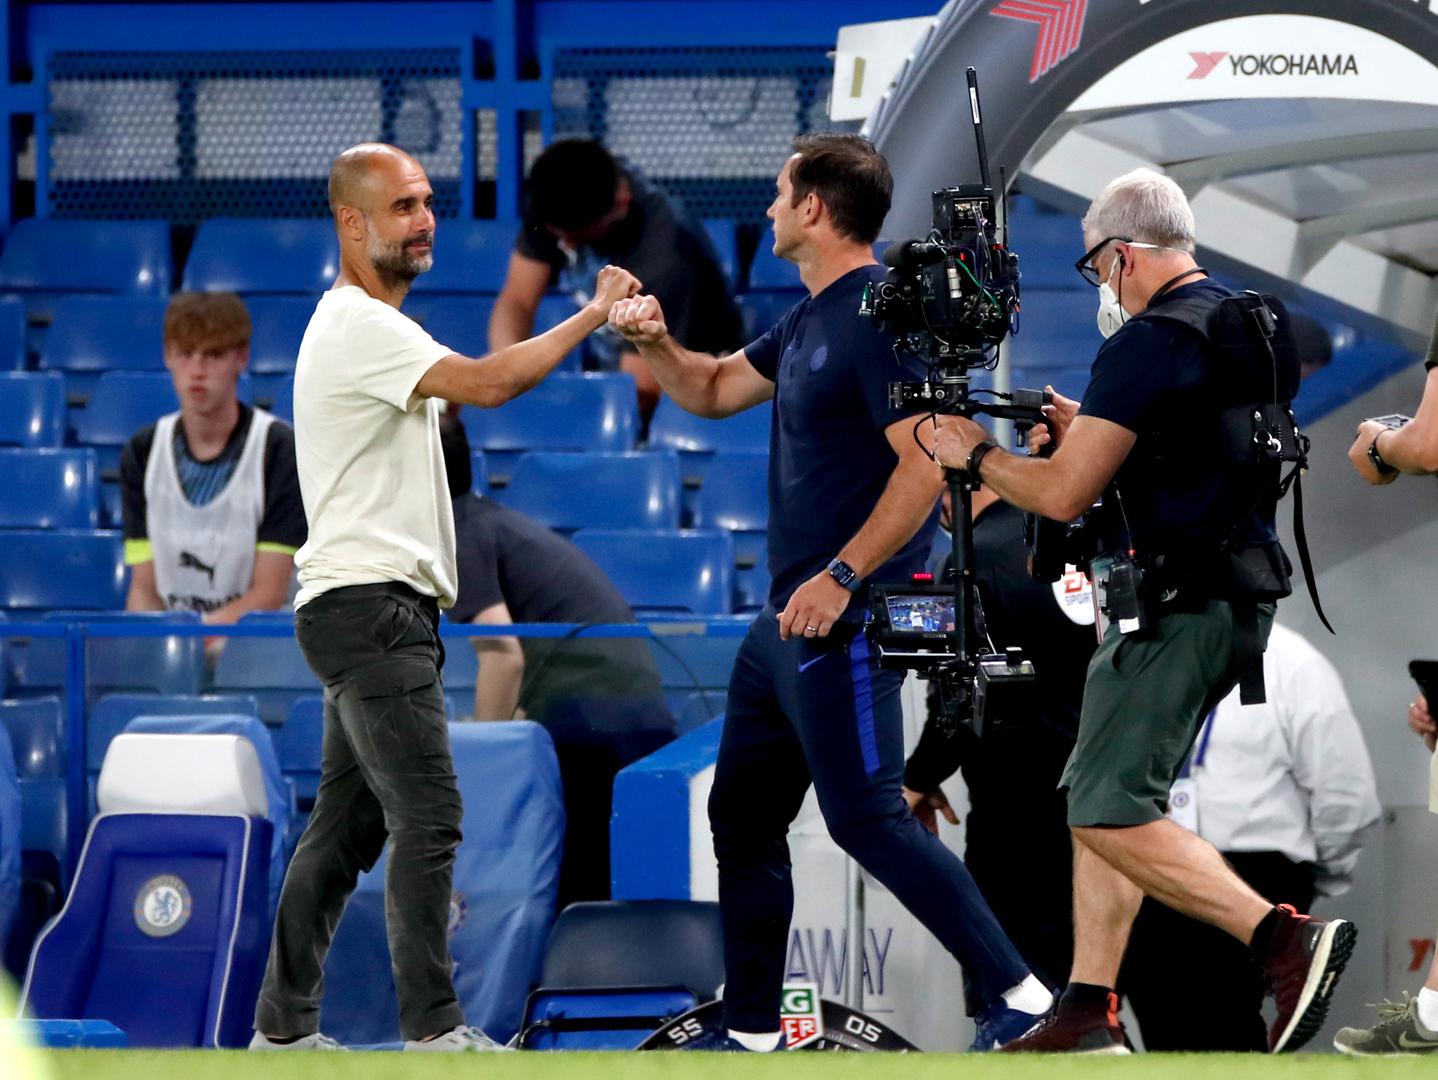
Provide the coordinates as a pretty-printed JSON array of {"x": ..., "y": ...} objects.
[
  {"x": 844, "y": 574},
  {"x": 1384, "y": 469}
]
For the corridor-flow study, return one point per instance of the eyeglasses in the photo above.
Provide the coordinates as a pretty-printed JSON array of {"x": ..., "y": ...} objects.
[{"x": 1090, "y": 273}]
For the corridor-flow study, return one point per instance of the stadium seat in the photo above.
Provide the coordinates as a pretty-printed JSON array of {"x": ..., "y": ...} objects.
[
  {"x": 479, "y": 467},
  {"x": 10, "y": 818},
  {"x": 674, "y": 428},
  {"x": 279, "y": 325},
  {"x": 279, "y": 793},
  {"x": 32, "y": 409},
  {"x": 461, "y": 322},
  {"x": 13, "y": 347},
  {"x": 769, "y": 273},
  {"x": 470, "y": 257},
  {"x": 564, "y": 412},
  {"x": 42, "y": 570},
  {"x": 49, "y": 489},
  {"x": 94, "y": 334},
  {"x": 637, "y": 943},
  {"x": 660, "y": 570},
  {"x": 505, "y": 881},
  {"x": 164, "y": 933},
  {"x": 761, "y": 310},
  {"x": 299, "y": 743},
  {"x": 263, "y": 256},
  {"x": 608, "y": 491},
  {"x": 271, "y": 668},
  {"x": 735, "y": 495},
  {"x": 724, "y": 239},
  {"x": 41, "y": 261},
  {"x": 163, "y": 665},
  {"x": 751, "y": 585},
  {"x": 282, "y": 401},
  {"x": 36, "y": 730}
]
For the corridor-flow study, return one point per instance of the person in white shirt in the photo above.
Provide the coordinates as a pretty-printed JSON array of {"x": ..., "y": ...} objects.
[
  {"x": 1285, "y": 791},
  {"x": 377, "y": 567}
]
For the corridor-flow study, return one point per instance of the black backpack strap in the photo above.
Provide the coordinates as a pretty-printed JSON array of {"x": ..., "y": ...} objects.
[
  {"x": 1300, "y": 535},
  {"x": 1249, "y": 647}
]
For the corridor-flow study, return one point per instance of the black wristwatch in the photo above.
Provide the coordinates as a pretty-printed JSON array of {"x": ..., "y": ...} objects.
[
  {"x": 976, "y": 455},
  {"x": 844, "y": 574},
  {"x": 1384, "y": 469}
]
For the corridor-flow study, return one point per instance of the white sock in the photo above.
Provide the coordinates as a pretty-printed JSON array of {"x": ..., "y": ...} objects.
[
  {"x": 1428, "y": 1008},
  {"x": 1030, "y": 996},
  {"x": 760, "y": 1044}
]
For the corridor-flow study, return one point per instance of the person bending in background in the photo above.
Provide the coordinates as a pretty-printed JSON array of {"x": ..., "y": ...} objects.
[
  {"x": 1380, "y": 455},
  {"x": 586, "y": 209},
  {"x": 1285, "y": 792},
  {"x": 599, "y": 698},
  {"x": 1012, "y": 769},
  {"x": 210, "y": 496},
  {"x": 377, "y": 567},
  {"x": 852, "y": 499}
]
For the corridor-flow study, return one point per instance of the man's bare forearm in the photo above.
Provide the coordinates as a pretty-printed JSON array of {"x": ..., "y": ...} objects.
[
  {"x": 1038, "y": 485},
  {"x": 690, "y": 378},
  {"x": 502, "y": 376},
  {"x": 906, "y": 503},
  {"x": 1413, "y": 448}
]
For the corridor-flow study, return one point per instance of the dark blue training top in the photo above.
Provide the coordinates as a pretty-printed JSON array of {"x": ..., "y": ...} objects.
[
  {"x": 829, "y": 458},
  {"x": 1152, "y": 378}
]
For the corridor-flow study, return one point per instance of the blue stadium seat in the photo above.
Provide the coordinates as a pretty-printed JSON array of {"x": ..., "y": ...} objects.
[
  {"x": 280, "y": 795},
  {"x": 42, "y": 570},
  {"x": 32, "y": 409},
  {"x": 661, "y": 570},
  {"x": 13, "y": 345},
  {"x": 279, "y": 325},
  {"x": 673, "y": 428},
  {"x": 761, "y": 310},
  {"x": 479, "y": 466},
  {"x": 735, "y": 496},
  {"x": 49, "y": 489},
  {"x": 248, "y": 255},
  {"x": 109, "y": 715},
  {"x": 45, "y": 257},
  {"x": 165, "y": 932},
  {"x": 461, "y": 322},
  {"x": 470, "y": 257},
  {"x": 769, "y": 273},
  {"x": 282, "y": 401},
  {"x": 272, "y": 669},
  {"x": 564, "y": 412},
  {"x": 93, "y": 334},
  {"x": 299, "y": 743},
  {"x": 751, "y": 585},
  {"x": 163, "y": 665},
  {"x": 566, "y": 491},
  {"x": 36, "y": 730},
  {"x": 505, "y": 881},
  {"x": 11, "y": 810},
  {"x": 725, "y": 241}
]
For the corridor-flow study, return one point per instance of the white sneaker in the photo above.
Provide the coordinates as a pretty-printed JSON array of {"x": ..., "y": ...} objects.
[
  {"x": 304, "y": 1042},
  {"x": 461, "y": 1040}
]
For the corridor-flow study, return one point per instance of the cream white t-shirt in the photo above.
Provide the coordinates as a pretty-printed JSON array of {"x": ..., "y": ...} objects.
[{"x": 367, "y": 446}]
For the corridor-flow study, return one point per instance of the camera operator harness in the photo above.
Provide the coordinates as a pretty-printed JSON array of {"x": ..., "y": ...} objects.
[{"x": 1247, "y": 342}]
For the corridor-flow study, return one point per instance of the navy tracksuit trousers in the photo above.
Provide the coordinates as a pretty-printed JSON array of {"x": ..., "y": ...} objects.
[{"x": 821, "y": 711}]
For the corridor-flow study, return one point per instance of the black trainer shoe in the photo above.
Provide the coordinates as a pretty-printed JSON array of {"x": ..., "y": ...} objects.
[
  {"x": 1304, "y": 960},
  {"x": 1074, "y": 1029},
  {"x": 1398, "y": 1031}
]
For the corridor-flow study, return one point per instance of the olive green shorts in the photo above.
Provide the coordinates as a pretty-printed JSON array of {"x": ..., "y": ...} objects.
[{"x": 1144, "y": 701}]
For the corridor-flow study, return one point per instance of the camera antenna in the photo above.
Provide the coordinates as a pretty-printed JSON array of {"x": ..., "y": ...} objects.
[{"x": 973, "y": 79}]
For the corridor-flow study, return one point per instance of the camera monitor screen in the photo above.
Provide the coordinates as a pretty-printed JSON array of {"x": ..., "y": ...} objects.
[{"x": 921, "y": 613}]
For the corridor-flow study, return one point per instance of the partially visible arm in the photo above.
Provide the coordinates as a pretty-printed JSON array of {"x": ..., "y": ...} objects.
[
  {"x": 903, "y": 507},
  {"x": 1330, "y": 762},
  {"x": 1413, "y": 448},
  {"x": 512, "y": 319},
  {"x": 1060, "y": 487},
  {"x": 268, "y": 591},
  {"x": 143, "y": 596},
  {"x": 501, "y": 667},
  {"x": 492, "y": 380},
  {"x": 702, "y": 384}
]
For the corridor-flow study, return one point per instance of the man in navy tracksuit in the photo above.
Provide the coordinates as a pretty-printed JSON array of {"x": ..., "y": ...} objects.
[{"x": 852, "y": 499}]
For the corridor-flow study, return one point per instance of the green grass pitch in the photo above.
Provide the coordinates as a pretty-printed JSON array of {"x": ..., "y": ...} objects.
[{"x": 234, "y": 1065}]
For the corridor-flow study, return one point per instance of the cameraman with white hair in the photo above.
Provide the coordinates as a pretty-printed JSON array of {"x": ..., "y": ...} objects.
[{"x": 1191, "y": 379}]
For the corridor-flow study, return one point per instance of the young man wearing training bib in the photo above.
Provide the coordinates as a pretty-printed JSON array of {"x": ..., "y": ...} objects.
[{"x": 211, "y": 497}]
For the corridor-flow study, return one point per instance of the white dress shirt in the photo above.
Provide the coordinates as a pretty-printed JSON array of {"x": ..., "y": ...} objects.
[{"x": 1292, "y": 775}]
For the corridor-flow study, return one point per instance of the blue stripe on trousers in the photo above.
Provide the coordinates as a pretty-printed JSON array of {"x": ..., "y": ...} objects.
[{"x": 863, "y": 701}]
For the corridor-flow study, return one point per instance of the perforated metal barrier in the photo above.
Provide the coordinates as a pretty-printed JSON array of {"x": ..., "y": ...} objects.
[
  {"x": 712, "y": 126},
  {"x": 189, "y": 136}
]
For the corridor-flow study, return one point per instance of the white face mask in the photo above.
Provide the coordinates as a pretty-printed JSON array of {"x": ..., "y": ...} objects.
[{"x": 1111, "y": 314}]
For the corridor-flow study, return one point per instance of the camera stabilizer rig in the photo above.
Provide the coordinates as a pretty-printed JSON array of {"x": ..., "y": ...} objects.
[{"x": 950, "y": 299}]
